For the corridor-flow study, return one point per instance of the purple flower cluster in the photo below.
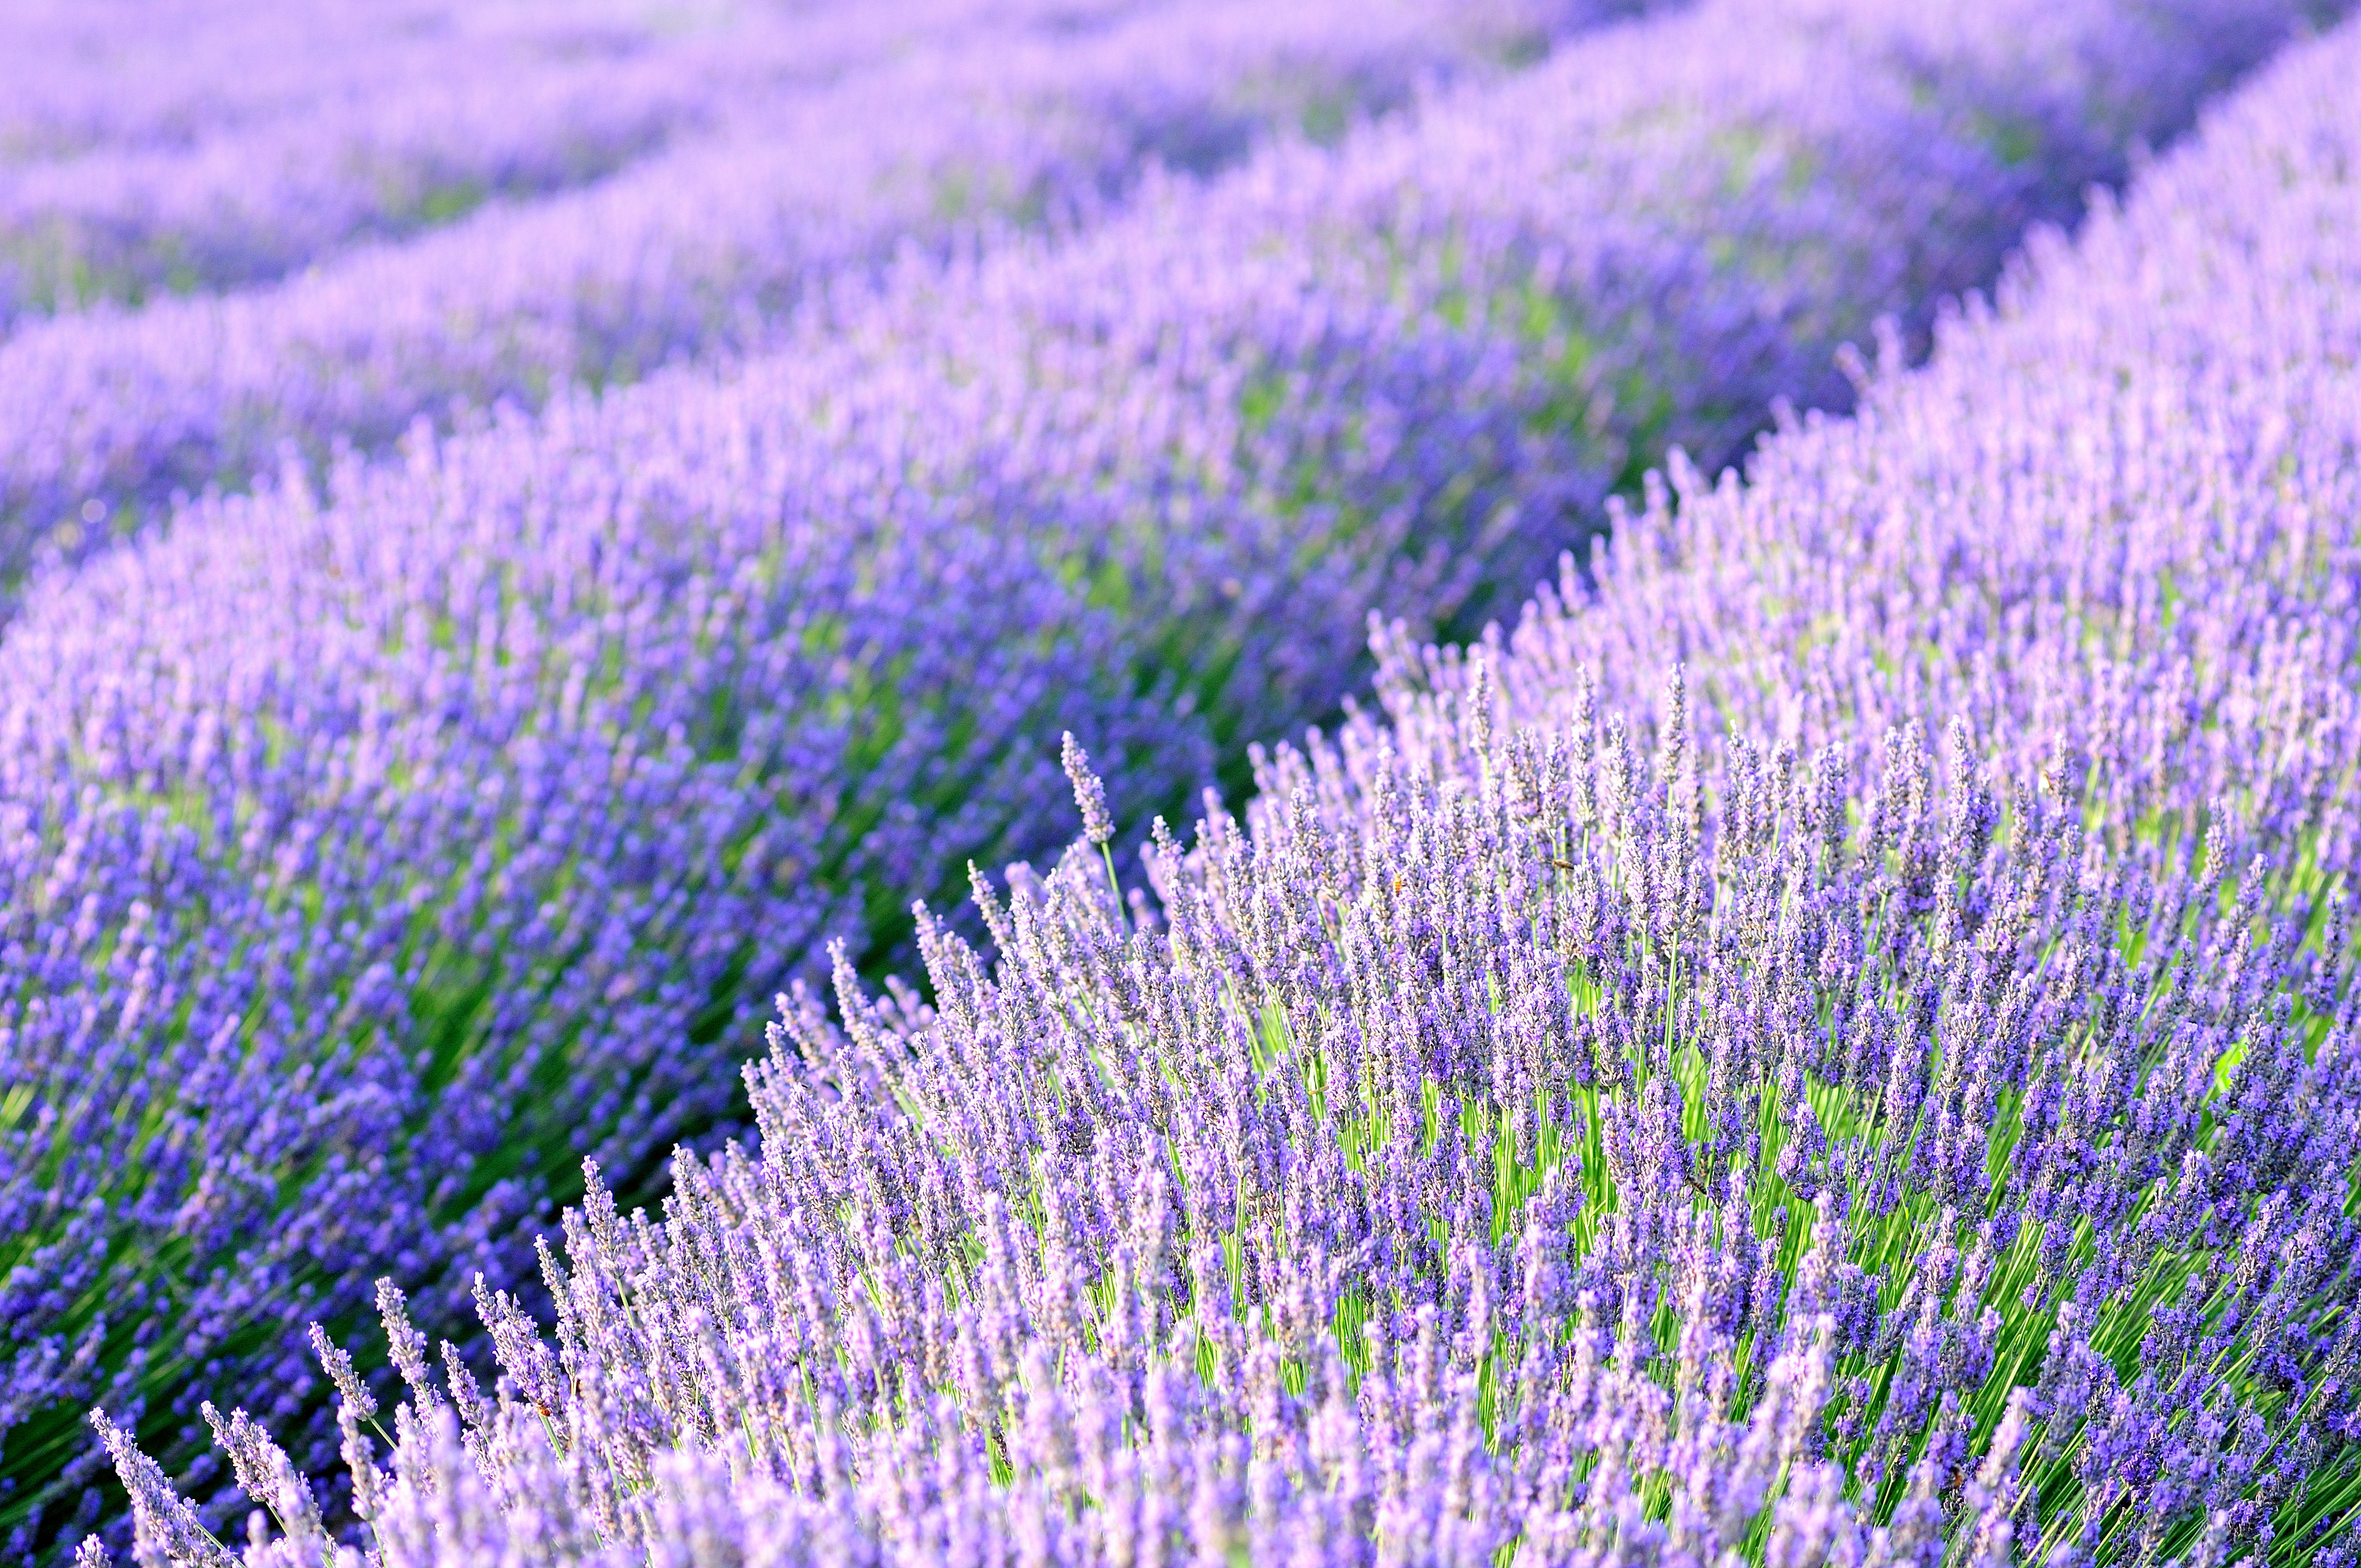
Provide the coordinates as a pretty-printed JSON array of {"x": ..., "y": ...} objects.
[
  {"x": 2109, "y": 526},
  {"x": 82, "y": 75},
  {"x": 543, "y": 101},
  {"x": 1408, "y": 373},
  {"x": 1837, "y": 1042},
  {"x": 370, "y": 860},
  {"x": 244, "y": 203},
  {"x": 983, "y": 115}
]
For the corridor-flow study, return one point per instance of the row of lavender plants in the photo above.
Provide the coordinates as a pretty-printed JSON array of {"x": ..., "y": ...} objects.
[
  {"x": 1834, "y": 1044},
  {"x": 370, "y": 862},
  {"x": 82, "y": 75},
  {"x": 1410, "y": 375},
  {"x": 523, "y": 109},
  {"x": 1032, "y": 111},
  {"x": 423, "y": 143}
]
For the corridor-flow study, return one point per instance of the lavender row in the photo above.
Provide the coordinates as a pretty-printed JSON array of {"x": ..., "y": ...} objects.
[
  {"x": 1408, "y": 373},
  {"x": 2111, "y": 526},
  {"x": 431, "y": 135},
  {"x": 82, "y": 76},
  {"x": 422, "y": 841},
  {"x": 1443, "y": 1215},
  {"x": 1607, "y": 1127},
  {"x": 104, "y": 417},
  {"x": 247, "y": 202},
  {"x": 89, "y": 76}
]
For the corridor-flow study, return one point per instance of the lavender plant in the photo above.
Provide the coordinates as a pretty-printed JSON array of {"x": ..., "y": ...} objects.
[
  {"x": 522, "y": 109},
  {"x": 2111, "y": 524},
  {"x": 80, "y": 76},
  {"x": 421, "y": 842},
  {"x": 694, "y": 251},
  {"x": 1408, "y": 373},
  {"x": 1454, "y": 1177},
  {"x": 1571, "y": 1122},
  {"x": 245, "y": 205}
]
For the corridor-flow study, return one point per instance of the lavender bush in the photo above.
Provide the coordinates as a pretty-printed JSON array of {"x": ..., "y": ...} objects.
[
  {"x": 83, "y": 75},
  {"x": 80, "y": 77},
  {"x": 106, "y": 415},
  {"x": 1409, "y": 372},
  {"x": 1559, "y": 1128},
  {"x": 243, "y": 204},
  {"x": 547, "y": 102},
  {"x": 421, "y": 841}
]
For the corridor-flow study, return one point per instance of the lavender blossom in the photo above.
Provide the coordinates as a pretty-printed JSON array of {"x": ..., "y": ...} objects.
[{"x": 1090, "y": 794}]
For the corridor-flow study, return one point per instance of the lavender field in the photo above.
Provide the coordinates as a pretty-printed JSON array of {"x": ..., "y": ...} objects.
[{"x": 1176, "y": 783}]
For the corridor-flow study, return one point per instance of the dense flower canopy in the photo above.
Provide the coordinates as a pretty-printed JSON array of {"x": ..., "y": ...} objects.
[
  {"x": 419, "y": 841},
  {"x": 750, "y": 170},
  {"x": 1834, "y": 1041},
  {"x": 537, "y": 536}
]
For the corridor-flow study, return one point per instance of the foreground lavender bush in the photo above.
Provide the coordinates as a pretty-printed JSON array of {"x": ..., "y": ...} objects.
[
  {"x": 425, "y": 841},
  {"x": 105, "y": 416},
  {"x": 1474, "y": 1173},
  {"x": 1558, "y": 1130}
]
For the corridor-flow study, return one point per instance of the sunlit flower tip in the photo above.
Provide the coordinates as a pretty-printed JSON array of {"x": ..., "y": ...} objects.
[{"x": 1090, "y": 794}]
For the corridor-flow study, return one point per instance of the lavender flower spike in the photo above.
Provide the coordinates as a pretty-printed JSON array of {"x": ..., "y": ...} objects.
[{"x": 1090, "y": 794}]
